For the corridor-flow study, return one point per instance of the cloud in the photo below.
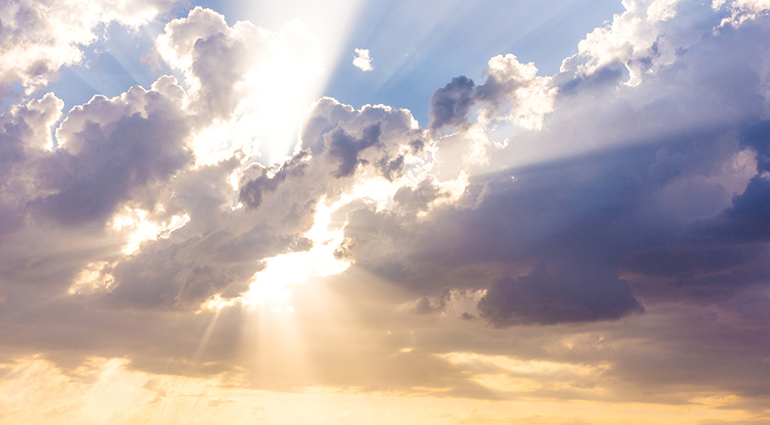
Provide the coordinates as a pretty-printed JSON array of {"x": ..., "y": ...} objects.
[
  {"x": 741, "y": 10},
  {"x": 450, "y": 105},
  {"x": 362, "y": 60},
  {"x": 571, "y": 294},
  {"x": 621, "y": 195},
  {"x": 102, "y": 161},
  {"x": 25, "y": 136},
  {"x": 37, "y": 38},
  {"x": 512, "y": 92}
]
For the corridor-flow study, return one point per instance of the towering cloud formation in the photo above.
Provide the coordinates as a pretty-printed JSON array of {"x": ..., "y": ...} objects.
[{"x": 248, "y": 86}]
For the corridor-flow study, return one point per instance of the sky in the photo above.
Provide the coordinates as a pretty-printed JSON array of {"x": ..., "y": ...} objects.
[{"x": 377, "y": 212}]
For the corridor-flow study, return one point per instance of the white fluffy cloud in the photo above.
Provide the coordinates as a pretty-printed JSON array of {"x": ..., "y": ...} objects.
[
  {"x": 644, "y": 38},
  {"x": 39, "y": 37},
  {"x": 362, "y": 60}
]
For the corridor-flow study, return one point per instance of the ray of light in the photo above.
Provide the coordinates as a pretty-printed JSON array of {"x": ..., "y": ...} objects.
[
  {"x": 206, "y": 336},
  {"x": 292, "y": 90}
]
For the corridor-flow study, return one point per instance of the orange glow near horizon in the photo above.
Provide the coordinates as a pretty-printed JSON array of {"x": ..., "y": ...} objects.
[{"x": 107, "y": 391}]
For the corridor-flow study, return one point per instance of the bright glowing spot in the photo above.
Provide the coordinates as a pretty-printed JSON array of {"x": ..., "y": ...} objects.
[
  {"x": 275, "y": 93},
  {"x": 222, "y": 140},
  {"x": 277, "y": 80},
  {"x": 234, "y": 179},
  {"x": 140, "y": 229},
  {"x": 363, "y": 61},
  {"x": 216, "y": 303},
  {"x": 300, "y": 80},
  {"x": 271, "y": 285},
  {"x": 94, "y": 277},
  {"x": 453, "y": 189}
]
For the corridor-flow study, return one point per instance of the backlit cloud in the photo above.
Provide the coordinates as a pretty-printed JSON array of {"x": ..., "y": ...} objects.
[{"x": 39, "y": 37}]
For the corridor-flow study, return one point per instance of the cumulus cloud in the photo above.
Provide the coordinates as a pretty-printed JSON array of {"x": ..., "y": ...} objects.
[
  {"x": 362, "y": 60},
  {"x": 680, "y": 184},
  {"x": 26, "y": 134},
  {"x": 253, "y": 83},
  {"x": 512, "y": 92},
  {"x": 741, "y": 10},
  {"x": 102, "y": 161},
  {"x": 37, "y": 38}
]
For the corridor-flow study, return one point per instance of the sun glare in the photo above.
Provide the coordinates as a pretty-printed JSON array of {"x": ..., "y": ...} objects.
[
  {"x": 287, "y": 85},
  {"x": 271, "y": 286},
  {"x": 139, "y": 229}
]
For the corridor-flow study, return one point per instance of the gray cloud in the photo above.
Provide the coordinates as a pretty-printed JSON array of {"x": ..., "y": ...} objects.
[
  {"x": 345, "y": 148},
  {"x": 110, "y": 160},
  {"x": 512, "y": 92},
  {"x": 450, "y": 105},
  {"x": 573, "y": 293}
]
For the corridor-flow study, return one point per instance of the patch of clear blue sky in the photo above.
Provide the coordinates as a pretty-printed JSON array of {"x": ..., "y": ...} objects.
[
  {"x": 412, "y": 60},
  {"x": 417, "y": 47},
  {"x": 114, "y": 63}
]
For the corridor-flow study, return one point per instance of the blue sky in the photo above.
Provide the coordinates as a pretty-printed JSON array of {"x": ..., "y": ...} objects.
[{"x": 416, "y": 47}]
